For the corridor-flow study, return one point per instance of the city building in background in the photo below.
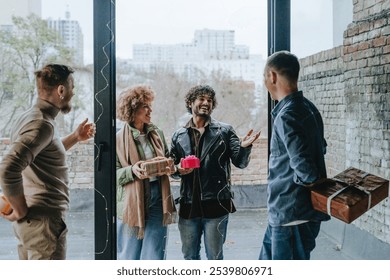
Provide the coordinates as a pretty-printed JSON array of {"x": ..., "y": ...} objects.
[
  {"x": 71, "y": 35},
  {"x": 70, "y": 32},
  {"x": 20, "y": 8},
  {"x": 211, "y": 50}
]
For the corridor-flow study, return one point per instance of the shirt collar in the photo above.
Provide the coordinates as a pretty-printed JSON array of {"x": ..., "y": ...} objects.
[
  {"x": 279, "y": 106},
  {"x": 190, "y": 123}
]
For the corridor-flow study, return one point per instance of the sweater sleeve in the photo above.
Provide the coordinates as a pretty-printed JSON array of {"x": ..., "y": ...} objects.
[{"x": 32, "y": 139}]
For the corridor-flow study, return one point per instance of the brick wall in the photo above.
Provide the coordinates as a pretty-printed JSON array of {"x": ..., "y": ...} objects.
[{"x": 351, "y": 87}]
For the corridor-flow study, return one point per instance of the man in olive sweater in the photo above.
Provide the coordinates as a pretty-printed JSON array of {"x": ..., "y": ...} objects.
[{"x": 34, "y": 173}]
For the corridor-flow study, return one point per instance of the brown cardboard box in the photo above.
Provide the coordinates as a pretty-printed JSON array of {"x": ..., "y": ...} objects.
[
  {"x": 158, "y": 166},
  {"x": 349, "y": 194}
]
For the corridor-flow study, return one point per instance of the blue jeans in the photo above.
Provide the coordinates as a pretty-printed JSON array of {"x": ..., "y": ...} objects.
[
  {"x": 214, "y": 231},
  {"x": 152, "y": 246},
  {"x": 289, "y": 242}
]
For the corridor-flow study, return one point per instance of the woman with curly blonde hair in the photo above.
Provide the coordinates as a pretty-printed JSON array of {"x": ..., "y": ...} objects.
[{"x": 145, "y": 204}]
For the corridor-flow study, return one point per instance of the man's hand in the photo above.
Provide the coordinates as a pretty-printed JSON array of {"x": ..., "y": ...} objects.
[
  {"x": 249, "y": 138},
  {"x": 85, "y": 130},
  {"x": 19, "y": 208},
  {"x": 184, "y": 171}
]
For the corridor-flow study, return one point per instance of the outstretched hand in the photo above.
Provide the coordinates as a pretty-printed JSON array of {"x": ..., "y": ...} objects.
[
  {"x": 249, "y": 138},
  {"x": 85, "y": 130}
]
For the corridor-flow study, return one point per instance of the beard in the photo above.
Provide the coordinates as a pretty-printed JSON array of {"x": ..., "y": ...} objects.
[
  {"x": 201, "y": 113},
  {"x": 66, "y": 109},
  {"x": 66, "y": 105}
]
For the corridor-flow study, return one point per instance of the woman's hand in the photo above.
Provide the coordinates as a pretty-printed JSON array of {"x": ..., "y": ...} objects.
[{"x": 139, "y": 172}]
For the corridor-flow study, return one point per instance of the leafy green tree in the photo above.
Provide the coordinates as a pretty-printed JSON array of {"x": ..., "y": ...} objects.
[{"x": 25, "y": 48}]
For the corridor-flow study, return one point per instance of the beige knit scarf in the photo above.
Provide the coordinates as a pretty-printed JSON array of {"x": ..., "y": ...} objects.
[{"x": 135, "y": 194}]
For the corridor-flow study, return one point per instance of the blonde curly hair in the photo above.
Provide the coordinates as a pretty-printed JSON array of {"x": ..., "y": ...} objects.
[{"x": 131, "y": 99}]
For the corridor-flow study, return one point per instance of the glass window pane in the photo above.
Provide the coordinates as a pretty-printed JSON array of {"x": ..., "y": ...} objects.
[
  {"x": 174, "y": 45},
  {"x": 318, "y": 25}
]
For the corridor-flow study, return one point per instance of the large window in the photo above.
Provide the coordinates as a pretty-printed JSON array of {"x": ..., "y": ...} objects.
[
  {"x": 173, "y": 45},
  {"x": 318, "y": 25}
]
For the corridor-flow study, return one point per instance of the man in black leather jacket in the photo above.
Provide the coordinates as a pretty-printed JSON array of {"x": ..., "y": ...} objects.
[{"x": 205, "y": 192}]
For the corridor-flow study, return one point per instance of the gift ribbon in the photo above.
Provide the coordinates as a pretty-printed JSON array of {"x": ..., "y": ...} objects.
[{"x": 329, "y": 200}]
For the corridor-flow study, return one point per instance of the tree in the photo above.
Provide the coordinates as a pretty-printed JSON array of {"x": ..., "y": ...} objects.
[
  {"x": 236, "y": 98},
  {"x": 26, "y": 47}
]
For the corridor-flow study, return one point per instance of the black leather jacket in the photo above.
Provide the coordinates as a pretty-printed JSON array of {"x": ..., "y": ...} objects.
[{"x": 220, "y": 146}]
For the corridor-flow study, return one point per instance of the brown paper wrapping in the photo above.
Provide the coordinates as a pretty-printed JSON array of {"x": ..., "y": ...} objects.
[
  {"x": 158, "y": 166},
  {"x": 362, "y": 191}
]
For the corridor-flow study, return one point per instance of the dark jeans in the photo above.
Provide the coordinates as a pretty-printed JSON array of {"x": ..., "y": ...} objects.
[{"x": 289, "y": 242}]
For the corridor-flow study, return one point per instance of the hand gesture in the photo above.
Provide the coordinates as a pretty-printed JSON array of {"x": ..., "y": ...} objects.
[
  {"x": 249, "y": 138},
  {"x": 85, "y": 130}
]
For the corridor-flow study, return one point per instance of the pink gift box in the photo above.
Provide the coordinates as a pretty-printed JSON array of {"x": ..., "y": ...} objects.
[{"x": 190, "y": 162}]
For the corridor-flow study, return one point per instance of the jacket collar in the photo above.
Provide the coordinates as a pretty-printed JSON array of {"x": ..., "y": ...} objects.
[
  {"x": 279, "y": 106},
  {"x": 136, "y": 133}
]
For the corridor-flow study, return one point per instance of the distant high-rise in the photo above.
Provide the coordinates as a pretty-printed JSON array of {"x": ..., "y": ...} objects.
[
  {"x": 211, "y": 50},
  {"x": 215, "y": 43},
  {"x": 69, "y": 30},
  {"x": 207, "y": 45},
  {"x": 19, "y": 8},
  {"x": 71, "y": 35}
]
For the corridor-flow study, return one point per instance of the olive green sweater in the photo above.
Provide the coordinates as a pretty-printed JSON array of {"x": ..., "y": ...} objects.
[{"x": 35, "y": 163}]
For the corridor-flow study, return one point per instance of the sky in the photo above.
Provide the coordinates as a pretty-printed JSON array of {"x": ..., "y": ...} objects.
[{"x": 175, "y": 21}]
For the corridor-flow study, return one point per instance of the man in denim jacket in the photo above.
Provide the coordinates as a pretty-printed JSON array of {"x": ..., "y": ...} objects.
[{"x": 296, "y": 161}]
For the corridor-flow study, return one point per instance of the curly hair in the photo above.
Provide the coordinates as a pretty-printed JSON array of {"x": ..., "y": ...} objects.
[
  {"x": 199, "y": 90},
  {"x": 131, "y": 99}
]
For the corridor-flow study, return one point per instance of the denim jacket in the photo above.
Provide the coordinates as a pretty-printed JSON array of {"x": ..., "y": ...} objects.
[{"x": 296, "y": 159}]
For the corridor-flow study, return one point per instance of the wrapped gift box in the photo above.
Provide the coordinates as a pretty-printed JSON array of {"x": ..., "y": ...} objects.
[
  {"x": 158, "y": 166},
  {"x": 190, "y": 162},
  {"x": 349, "y": 194}
]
